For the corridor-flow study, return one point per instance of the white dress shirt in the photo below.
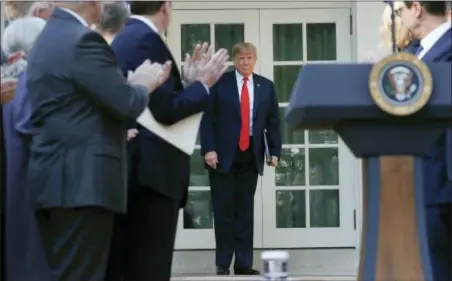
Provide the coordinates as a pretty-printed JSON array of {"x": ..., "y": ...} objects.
[
  {"x": 75, "y": 15},
  {"x": 429, "y": 41},
  {"x": 250, "y": 86}
]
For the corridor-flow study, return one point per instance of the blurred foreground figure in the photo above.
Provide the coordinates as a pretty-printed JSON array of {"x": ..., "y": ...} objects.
[
  {"x": 143, "y": 242},
  {"x": 79, "y": 102},
  {"x": 114, "y": 17},
  {"x": 25, "y": 258},
  {"x": 426, "y": 22},
  {"x": 18, "y": 9}
]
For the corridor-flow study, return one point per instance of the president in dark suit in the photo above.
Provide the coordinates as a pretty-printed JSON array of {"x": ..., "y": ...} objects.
[
  {"x": 143, "y": 242},
  {"x": 242, "y": 106},
  {"x": 79, "y": 102},
  {"x": 426, "y": 22}
]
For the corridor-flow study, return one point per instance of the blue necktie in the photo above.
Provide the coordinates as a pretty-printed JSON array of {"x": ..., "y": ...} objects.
[{"x": 419, "y": 51}]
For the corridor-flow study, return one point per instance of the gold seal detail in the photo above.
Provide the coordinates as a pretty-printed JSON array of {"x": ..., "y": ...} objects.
[{"x": 400, "y": 84}]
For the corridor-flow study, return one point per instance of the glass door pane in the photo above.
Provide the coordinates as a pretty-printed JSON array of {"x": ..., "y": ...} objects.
[
  {"x": 308, "y": 198},
  {"x": 223, "y": 29}
]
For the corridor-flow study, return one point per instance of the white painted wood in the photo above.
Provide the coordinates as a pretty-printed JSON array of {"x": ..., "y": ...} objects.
[
  {"x": 257, "y": 4},
  {"x": 345, "y": 235}
]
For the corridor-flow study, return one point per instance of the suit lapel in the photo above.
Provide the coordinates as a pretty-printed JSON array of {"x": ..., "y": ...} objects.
[
  {"x": 441, "y": 47},
  {"x": 257, "y": 95}
]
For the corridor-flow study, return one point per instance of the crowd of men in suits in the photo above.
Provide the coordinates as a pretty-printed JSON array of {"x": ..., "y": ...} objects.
[{"x": 105, "y": 193}]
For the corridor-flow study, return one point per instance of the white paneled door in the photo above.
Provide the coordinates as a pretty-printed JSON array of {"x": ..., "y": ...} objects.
[{"x": 308, "y": 200}]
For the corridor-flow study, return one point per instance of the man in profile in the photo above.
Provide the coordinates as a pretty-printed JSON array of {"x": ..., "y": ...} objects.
[
  {"x": 143, "y": 241},
  {"x": 426, "y": 22},
  {"x": 79, "y": 104},
  {"x": 242, "y": 118}
]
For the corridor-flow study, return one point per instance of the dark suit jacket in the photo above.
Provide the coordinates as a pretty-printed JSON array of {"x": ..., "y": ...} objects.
[
  {"x": 4, "y": 59},
  {"x": 221, "y": 123},
  {"x": 155, "y": 163},
  {"x": 438, "y": 162},
  {"x": 79, "y": 102}
]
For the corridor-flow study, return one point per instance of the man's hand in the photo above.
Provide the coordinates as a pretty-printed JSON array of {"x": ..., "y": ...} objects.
[
  {"x": 150, "y": 75},
  {"x": 211, "y": 159},
  {"x": 201, "y": 54},
  {"x": 211, "y": 70},
  {"x": 131, "y": 134},
  {"x": 8, "y": 90},
  {"x": 273, "y": 161}
]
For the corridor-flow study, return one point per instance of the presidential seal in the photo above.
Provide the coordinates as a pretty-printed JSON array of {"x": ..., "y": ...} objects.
[{"x": 400, "y": 84}]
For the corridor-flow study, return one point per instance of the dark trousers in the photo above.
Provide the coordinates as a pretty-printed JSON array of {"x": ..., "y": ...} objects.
[
  {"x": 439, "y": 220},
  {"x": 233, "y": 206},
  {"x": 76, "y": 242},
  {"x": 143, "y": 240}
]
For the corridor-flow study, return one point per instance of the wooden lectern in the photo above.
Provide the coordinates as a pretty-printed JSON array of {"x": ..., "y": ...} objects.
[{"x": 394, "y": 242}]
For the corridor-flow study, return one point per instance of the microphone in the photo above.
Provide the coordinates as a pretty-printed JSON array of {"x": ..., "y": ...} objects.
[{"x": 13, "y": 66}]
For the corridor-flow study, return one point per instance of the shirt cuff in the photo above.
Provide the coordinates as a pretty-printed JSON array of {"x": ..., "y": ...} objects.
[{"x": 207, "y": 88}]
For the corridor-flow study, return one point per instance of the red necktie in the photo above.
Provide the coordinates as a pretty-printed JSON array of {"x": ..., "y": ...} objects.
[{"x": 244, "y": 141}]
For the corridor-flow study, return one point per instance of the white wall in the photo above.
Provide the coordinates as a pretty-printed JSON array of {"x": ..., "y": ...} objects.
[{"x": 367, "y": 20}]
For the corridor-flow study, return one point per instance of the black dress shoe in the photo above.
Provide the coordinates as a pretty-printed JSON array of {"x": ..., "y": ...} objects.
[
  {"x": 246, "y": 271},
  {"x": 223, "y": 271}
]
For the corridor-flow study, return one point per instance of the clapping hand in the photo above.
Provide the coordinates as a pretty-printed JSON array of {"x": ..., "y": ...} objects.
[
  {"x": 201, "y": 54},
  {"x": 204, "y": 65},
  {"x": 211, "y": 68},
  {"x": 150, "y": 75}
]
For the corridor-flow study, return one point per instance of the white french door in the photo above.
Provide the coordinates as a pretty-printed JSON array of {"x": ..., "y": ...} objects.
[
  {"x": 309, "y": 198},
  {"x": 223, "y": 29}
]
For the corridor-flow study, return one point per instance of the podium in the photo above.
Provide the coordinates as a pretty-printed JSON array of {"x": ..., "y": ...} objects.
[{"x": 337, "y": 97}]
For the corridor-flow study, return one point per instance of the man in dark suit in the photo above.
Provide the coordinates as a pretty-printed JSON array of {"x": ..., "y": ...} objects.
[
  {"x": 79, "y": 102},
  {"x": 426, "y": 22},
  {"x": 143, "y": 242},
  {"x": 243, "y": 105}
]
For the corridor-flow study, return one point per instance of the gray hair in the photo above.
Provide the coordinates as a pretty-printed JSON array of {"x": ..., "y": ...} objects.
[
  {"x": 21, "y": 33},
  {"x": 18, "y": 9},
  {"x": 114, "y": 17},
  {"x": 45, "y": 5}
]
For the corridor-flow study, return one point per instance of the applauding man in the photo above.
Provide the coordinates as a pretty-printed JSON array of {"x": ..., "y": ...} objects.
[
  {"x": 79, "y": 105},
  {"x": 143, "y": 240}
]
